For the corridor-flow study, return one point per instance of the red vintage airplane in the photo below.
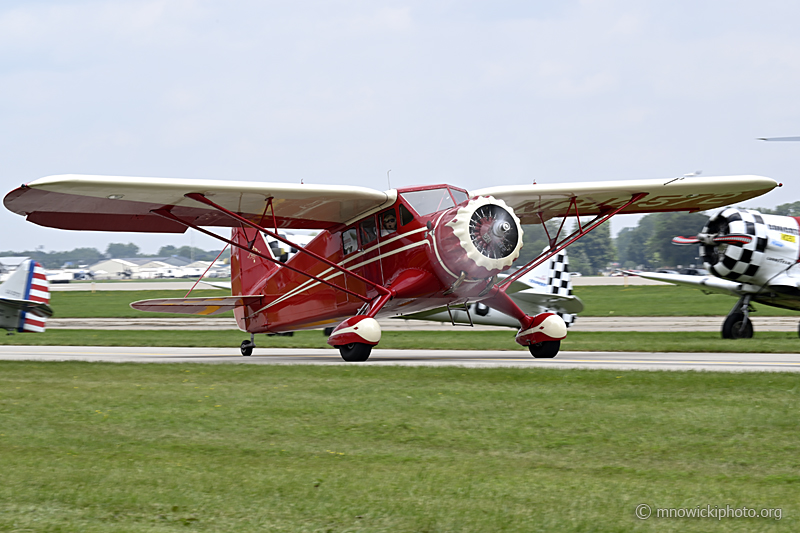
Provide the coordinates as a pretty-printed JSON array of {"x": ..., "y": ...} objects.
[{"x": 378, "y": 254}]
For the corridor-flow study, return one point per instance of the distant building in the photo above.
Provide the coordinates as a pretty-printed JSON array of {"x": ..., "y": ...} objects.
[{"x": 151, "y": 268}]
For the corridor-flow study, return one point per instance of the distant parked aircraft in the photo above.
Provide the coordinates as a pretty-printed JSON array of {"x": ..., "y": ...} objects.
[{"x": 24, "y": 299}]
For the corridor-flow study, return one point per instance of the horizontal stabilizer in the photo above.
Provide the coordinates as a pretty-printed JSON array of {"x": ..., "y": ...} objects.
[
  {"x": 197, "y": 306},
  {"x": 36, "y": 308},
  {"x": 218, "y": 284},
  {"x": 564, "y": 304},
  {"x": 704, "y": 283}
]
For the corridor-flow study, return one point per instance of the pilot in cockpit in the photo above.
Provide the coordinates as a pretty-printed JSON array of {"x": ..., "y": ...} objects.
[{"x": 388, "y": 223}]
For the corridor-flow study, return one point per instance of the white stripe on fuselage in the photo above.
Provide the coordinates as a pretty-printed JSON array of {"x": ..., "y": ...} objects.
[{"x": 311, "y": 283}]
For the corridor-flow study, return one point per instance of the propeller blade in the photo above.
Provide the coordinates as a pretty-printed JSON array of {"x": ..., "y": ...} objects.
[
  {"x": 779, "y": 138},
  {"x": 734, "y": 239},
  {"x": 681, "y": 241}
]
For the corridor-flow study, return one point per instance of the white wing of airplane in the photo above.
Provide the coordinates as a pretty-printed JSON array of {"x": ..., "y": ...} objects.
[
  {"x": 114, "y": 203},
  {"x": 708, "y": 284},
  {"x": 593, "y": 198},
  {"x": 110, "y": 203}
]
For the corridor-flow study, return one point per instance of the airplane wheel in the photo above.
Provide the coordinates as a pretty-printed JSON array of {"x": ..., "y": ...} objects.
[
  {"x": 355, "y": 352},
  {"x": 327, "y": 331},
  {"x": 545, "y": 350},
  {"x": 732, "y": 327},
  {"x": 247, "y": 348}
]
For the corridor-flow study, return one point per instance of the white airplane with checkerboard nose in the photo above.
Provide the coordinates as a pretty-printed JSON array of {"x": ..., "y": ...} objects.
[{"x": 750, "y": 255}]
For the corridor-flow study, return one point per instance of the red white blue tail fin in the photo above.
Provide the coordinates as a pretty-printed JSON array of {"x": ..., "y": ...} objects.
[{"x": 24, "y": 299}]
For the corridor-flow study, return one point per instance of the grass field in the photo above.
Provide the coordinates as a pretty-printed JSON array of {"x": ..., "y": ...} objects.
[
  {"x": 636, "y": 300},
  {"x": 763, "y": 342},
  {"x": 116, "y": 304},
  {"x": 93, "y": 447}
]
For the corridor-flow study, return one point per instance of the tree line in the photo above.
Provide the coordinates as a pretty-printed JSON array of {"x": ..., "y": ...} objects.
[{"x": 647, "y": 246}]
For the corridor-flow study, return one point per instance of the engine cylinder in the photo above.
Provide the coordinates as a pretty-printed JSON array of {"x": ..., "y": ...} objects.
[
  {"x": 735, "y": 261},
  {"x": 480, "y": 239}
]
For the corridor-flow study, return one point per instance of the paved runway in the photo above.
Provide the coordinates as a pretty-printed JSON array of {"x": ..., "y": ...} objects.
[
  {"x": 722, "y": 362},
  {"x": 621, "y": 323}
]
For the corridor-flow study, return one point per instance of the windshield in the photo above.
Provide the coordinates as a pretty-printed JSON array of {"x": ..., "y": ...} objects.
[
  {"x": 430, "y": 201},
  {"x": 460, "y": 196}
]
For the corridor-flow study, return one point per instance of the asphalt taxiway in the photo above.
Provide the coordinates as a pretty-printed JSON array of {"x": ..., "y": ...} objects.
[
  {"x": 717, "y": 362},
  {"x": 621, "y": 323}
]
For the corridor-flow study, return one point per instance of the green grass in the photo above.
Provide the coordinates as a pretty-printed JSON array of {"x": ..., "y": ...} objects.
[
  {"x": 763, "y": 342},
  {"x": 116, "y": 304},
  {"x": 93, "y": 447},
  {"x": 661, "y": 300},
  {"x": 636, "y": 300}
]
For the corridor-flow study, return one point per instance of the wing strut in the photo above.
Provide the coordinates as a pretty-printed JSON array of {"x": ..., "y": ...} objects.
[
  {"x": 167, "y": 214},
  {"x": 203, "y": 200},
  {"x": 556, "y": 246}
]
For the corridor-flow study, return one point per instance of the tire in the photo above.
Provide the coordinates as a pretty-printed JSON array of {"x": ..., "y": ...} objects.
[
  {"x": 355, "y": 352},
  {"x": 327, "y": 331},
  {"x": 732, "y": 327},
  {"x": 247, "y": 348},
  {"x": 545, "y": 350}
]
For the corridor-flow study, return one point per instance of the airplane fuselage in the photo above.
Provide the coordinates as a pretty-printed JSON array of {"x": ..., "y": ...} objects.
[{"x": 409, "y": 259}]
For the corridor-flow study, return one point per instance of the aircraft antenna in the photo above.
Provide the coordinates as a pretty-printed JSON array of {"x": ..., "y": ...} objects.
[
  {"x": 387, "y": 178},
  {"x": 689, "y": 175}
]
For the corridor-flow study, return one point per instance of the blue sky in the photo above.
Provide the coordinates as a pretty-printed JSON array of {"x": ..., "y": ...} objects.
[{"x": 469, "y": 93}]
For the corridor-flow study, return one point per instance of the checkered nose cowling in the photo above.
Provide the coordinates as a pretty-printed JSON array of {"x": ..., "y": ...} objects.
[{"x": 735, "y": 261}]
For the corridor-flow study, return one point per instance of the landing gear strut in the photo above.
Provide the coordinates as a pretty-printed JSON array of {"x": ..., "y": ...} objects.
[
  {"x": 247, "y": 346},
  {"x": 737, "y": 324}
]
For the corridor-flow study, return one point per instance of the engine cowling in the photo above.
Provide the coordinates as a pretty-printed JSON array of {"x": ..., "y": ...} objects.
[
  {"x": 729, "y": 259},
  {"x": 480, "y": 239}
]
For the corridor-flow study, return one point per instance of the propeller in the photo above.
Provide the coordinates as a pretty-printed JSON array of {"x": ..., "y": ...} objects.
[
  {"x": 779, "y": 138},
  {"x": 493, "y": 231},
  {"x": 734, "y": 238}
]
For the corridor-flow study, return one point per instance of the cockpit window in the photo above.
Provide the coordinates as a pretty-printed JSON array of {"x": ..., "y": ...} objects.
[
  {"x": 460, "y": 196},
  {"x": 429, "y": 201},
  {"x": 368, "y": 231},
  {"x": 405, "y": 215},
  {"x": 349, "y": 241}
]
